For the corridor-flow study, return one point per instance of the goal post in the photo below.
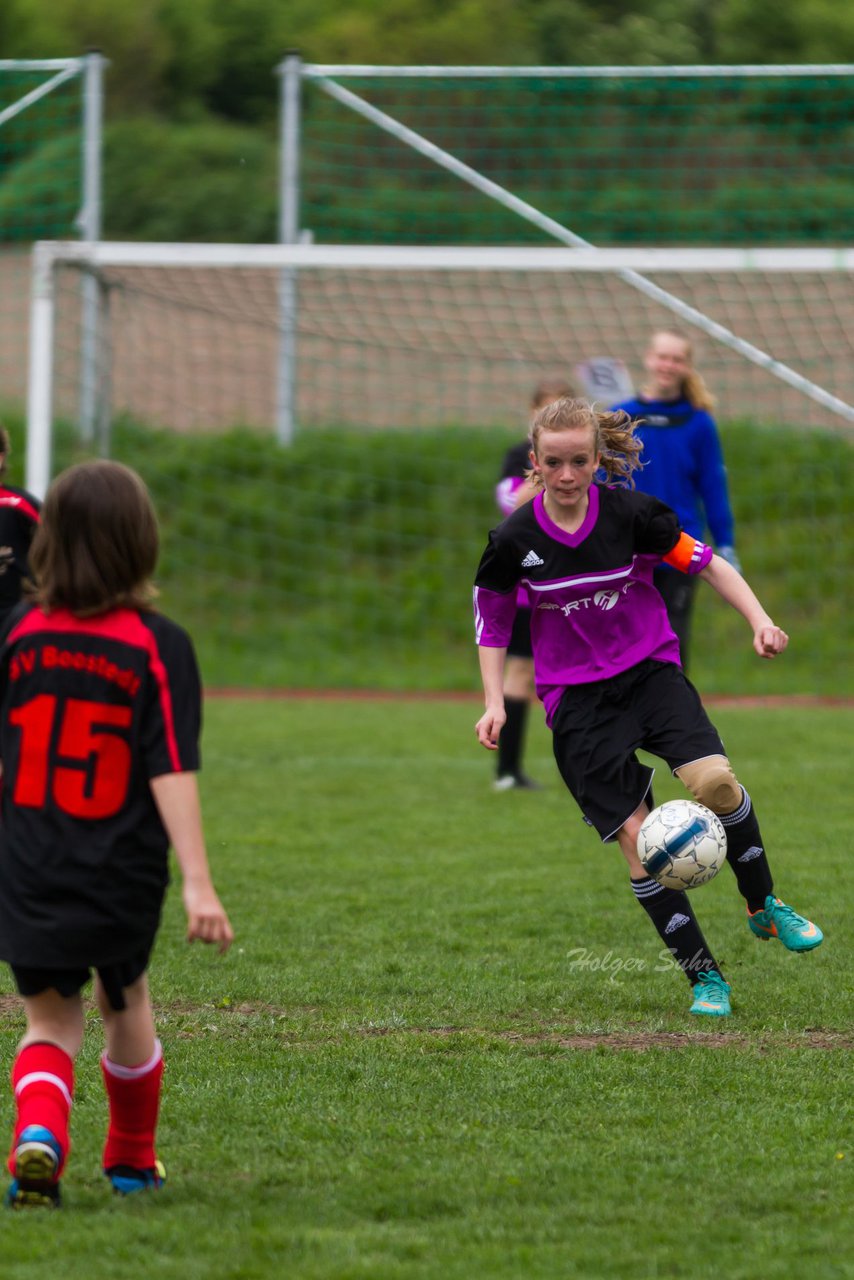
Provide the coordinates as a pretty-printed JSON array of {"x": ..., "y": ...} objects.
[
  {"x": 350, "y": 552},
  {"x": 398, "y": 262}
]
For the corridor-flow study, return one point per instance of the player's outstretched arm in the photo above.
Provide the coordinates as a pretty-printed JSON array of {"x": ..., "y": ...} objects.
[
  {"x": 492, "y": 721},
  {"x": 768, "y": 639},
  {"x": 177, "y": 798}
]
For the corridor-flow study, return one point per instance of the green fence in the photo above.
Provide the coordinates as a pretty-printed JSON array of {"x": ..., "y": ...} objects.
[
  {"x": 41, "y": 142},
  {"x": 50, "y": 164},
  {"x": 634, "y": 156}
]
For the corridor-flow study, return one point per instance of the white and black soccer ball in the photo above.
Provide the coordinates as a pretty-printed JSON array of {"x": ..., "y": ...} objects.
[{"x": 682, "y": 844}]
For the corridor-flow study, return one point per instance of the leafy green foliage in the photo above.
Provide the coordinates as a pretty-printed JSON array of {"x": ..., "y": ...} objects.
[
  {"x": 643, "y": 169},
  {"x": 195, "y": 181},
  {"x": 793, "y": 31}
]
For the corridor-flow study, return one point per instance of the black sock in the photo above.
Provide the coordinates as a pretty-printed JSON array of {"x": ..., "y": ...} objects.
[
  {"x": 745, "y": 853},
  {"x": 511, "y": 737},
  {"x": 673, "y": 917}
]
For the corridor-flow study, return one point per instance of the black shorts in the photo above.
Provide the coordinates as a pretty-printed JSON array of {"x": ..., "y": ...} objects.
[
  {"x": 598, "y": 728},
  {"x": 520, "y": 639},
  {"x": 114, "y": 978}
]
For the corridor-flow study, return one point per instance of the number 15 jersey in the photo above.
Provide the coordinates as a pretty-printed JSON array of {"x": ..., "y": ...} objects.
[{"x": 91, "y": 709}]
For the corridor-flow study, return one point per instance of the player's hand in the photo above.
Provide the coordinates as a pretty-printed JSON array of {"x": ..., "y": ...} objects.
[
  {"x": 769, "y": 640},
  {"x": 489, "y": 727},
  {"x": 206, "y": 917}
]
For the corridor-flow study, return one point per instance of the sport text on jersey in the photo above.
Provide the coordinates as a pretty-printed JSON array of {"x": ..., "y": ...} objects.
[
  {"x": 603, "y": 600},
  {"x": 50, "y": 658}
]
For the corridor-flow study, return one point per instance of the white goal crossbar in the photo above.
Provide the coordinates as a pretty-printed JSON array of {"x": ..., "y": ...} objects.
[{"x": 95, "y": 256}]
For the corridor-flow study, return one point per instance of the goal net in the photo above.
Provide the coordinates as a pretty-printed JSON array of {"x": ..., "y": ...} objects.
[{"x": 344, "y": 557}]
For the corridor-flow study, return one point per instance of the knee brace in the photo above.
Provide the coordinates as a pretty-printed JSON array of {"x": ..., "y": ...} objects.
[{"x": 712, "y": 782}]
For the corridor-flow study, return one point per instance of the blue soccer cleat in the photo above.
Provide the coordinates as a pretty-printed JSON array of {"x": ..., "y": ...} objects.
[
  {"x": 127, "y": 1181},
  {"x": 38, "y": 1157}
]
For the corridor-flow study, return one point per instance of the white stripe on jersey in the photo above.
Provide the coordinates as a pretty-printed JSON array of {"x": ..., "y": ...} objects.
[
  {"x": 613, "y": 576},
  {"x": 479, "y": 620}
]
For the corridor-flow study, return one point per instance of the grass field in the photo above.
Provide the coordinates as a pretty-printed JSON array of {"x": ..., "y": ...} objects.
[
  {"x": 347, "y": 560},
  {"x": 442, "y": 1045}
]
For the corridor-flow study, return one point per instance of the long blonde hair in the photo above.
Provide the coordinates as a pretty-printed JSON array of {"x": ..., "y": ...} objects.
[
  {"x": 694, "y": 388},
  {"x": 614, "y": 436}
]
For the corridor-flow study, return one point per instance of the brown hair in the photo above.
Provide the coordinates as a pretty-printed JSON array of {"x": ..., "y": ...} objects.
[
  {"x": 694, "y": 388},
  {"x": 553, "y": 387},
  {"x": 97, "y": 542},
  {"x": 5, "y": 449},
  {"x": 613, "y": 435}
]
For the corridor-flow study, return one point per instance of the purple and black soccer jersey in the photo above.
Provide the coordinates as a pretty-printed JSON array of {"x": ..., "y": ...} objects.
[
  {"x": 91, "y": 709},
  {"x": 595, "y": 610}
]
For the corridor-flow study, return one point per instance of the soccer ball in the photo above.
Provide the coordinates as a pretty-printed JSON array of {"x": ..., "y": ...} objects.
[{"x": 682, "y": 844}]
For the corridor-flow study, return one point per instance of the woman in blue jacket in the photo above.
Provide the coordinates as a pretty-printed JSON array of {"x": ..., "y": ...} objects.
[{"x": 683, "y": 464}]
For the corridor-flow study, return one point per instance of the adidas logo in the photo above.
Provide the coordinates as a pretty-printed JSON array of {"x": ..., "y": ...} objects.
[
  {"x": 755, "y": 851},
  {"x": 531, "y": 560},
  {"x": 676, "y": 922}
]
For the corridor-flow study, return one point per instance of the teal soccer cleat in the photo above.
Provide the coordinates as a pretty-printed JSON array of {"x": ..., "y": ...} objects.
[
  {"x": 711, "y": 996},
  {"x": 776, "y": 920}
]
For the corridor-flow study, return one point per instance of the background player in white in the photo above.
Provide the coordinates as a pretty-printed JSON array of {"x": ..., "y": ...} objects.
[{"x": 608, "y": 673}]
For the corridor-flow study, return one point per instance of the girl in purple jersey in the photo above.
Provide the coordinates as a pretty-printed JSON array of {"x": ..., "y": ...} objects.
[
  {"x": 512, "y": 490},
  {"x": 607, "y": 666},
  {"x": 100, "y": 710}
]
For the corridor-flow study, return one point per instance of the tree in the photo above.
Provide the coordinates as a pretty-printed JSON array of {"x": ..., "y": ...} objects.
[{"x": 780, "y": 31}]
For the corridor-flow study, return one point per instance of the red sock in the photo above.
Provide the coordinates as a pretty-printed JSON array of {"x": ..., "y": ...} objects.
[
  {"x": 43, "y": 1084},
  {"x": 134, "y": 1094}
]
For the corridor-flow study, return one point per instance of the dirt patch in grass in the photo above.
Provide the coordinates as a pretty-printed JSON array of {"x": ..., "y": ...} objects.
[
  {"x": 634, "y": 1041},
  {"x": 638, "y": 1041}
]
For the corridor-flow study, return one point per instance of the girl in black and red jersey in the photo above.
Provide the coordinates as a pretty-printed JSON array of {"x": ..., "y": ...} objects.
[
  {"x": 608, "y": 670},
  {"x": 19, "y": 517},
  {"x": 100, "y": 711}
]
